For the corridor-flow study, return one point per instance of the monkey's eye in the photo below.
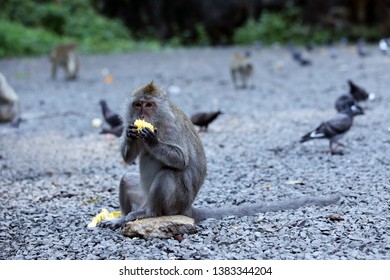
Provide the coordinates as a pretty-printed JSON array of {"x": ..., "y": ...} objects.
[
  {"x": 137, "y": 104},
  {"x": 148, "y": 105}
]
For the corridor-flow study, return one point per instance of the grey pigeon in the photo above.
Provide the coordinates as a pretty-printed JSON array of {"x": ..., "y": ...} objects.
[
  {"x": 359, "y": 93},
  {"x": 332, "y": 50},
  {"x": 203, "y": 119},
  {"x": 335, "y": 128},
  {"x": 356, "y": 94},
  {"x": 298, "y": 57},
  {"x": 361, "y": 48},
  {"x": 112, "y": 118},
  {"x": 384, "y": 45},
  {"x": 345, "y": 100}
]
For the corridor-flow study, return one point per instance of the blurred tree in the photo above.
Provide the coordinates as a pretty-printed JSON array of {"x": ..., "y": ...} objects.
[
  {"x": 187, "y": 22},
  {"x": 166, "y": 19},
  {"x": 181, "y": 18}
]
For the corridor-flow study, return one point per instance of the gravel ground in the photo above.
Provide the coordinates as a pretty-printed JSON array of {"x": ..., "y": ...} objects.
[{"x": 56, "y": 162}]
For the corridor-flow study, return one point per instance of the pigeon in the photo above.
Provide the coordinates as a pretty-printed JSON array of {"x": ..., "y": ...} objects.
[
  {"x": 335, "y": 128},
  {"x": 345, "y": 100},
  {"x": 117, "y": 130},
  {"x": 298, "y": 57},
  {"x": 355, "y": 95},
  {"x": 344, "y": 42},
  {"x": 361, "y": 48},
  {"x": 309, "y": 47},
  {"x": 359, "y": 93},
  {"x": 384, "y": 45},
  {"x": 333, "y": 53},
  {"x": 112, "y": 118},
  {"x": 203, "y": 119}
]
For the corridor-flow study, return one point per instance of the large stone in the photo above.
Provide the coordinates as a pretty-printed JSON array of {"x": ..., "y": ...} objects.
[{"x": 160, "y": 227}]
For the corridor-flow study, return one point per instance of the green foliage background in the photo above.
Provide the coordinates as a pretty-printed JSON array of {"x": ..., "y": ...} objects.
[
  {"x": 281, "y": 27},
  {"x": 34, "y": 27}
]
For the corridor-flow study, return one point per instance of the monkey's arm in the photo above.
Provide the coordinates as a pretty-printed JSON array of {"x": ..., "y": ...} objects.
[
  {"x": 169, "y": 154},
  {"x": 129, "y": 144},
  {"x": 129, "y": 150}
]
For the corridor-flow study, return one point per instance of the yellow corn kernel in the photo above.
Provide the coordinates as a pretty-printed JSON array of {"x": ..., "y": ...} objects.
[
  {"x": 104, "y": 214},
  {"x": 140, "y": 124}
]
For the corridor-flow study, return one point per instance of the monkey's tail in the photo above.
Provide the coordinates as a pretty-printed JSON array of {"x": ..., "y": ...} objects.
[{"x": 251, "y": 209}]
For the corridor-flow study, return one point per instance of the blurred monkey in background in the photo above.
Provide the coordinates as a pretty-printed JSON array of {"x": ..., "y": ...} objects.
[
  {"x": 65, "y": 56},
  {"x": 241, "y": 70}
]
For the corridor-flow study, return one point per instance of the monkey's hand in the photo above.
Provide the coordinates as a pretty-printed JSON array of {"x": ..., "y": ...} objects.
[
  {"x": 149, "y": 136},
  {"x": 132, "y": 132}
]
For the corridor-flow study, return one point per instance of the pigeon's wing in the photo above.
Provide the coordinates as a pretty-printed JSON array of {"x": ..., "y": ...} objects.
[
  {"x": 340, "y": 124},
  {"x": 199, "y": 118},
  {"x": 114, "y": 120},
  {"x": 359, "y": 93}
]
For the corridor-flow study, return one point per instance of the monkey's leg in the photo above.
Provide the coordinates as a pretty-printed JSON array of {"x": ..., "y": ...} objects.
[
  {"x": 68, "y": 73},
  {"x": 167, "y": 196},
  {"x": 244, "y": 79},
  {"x": 71, "y": 67},
  {"x": 234, "y": 78},
  {"x": 54, "y": 70},
  {"x": 130, "y": 198},
  {"x": 244, "y": 82}
]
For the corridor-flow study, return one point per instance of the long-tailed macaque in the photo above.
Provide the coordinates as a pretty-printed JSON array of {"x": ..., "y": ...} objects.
[
  {"x": 241, "y": 70},
  {"x": 9, "y": 103},
  {"x": 172, "y": 165},
  {"x": 65, "y": 56}
]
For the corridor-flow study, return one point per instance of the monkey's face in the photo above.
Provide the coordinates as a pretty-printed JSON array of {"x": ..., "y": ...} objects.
[{"x": 144, "y": 110}]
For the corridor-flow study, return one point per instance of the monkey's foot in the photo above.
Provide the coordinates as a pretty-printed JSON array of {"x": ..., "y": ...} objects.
[
  {"x": 112, "y": 223},
  {"x": 132, "y": 216}
]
